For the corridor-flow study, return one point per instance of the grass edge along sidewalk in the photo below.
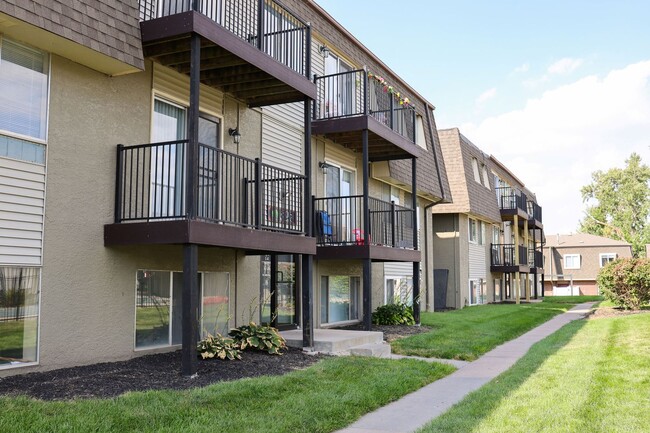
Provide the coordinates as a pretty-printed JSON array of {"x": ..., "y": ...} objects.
[
  {"x": 328, "y": 395},
  {"x": 591, "y": 375},
  {"x": 468, "y": 333}
]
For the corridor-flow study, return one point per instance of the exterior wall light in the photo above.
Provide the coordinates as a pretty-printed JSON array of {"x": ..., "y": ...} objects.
[
  {"x": 234, "y": 133},
  {"x": 324, "y": 51}
]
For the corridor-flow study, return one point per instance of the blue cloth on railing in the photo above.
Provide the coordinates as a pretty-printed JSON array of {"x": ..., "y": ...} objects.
[{"x": 323, "y": 226}]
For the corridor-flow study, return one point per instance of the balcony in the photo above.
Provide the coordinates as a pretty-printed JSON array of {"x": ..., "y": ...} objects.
[
  {"x": 350, "y": 102},
  {"x": 535, "y": 259},
  {"x": 504, "y": 260},
  {"x": 255, "y": 50},
  {"x": 512, "y": 202},
  {"x": 341, "y": 233},
  {"x": 534, "y": 215},
  {"x": 238, "y": 202}
]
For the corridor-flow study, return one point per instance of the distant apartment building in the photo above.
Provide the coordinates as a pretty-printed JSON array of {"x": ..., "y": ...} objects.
[
  {"x": 574, "y": 260},
  {"x": 168, "y": 167},
  {"x": 487, "y": 242}
]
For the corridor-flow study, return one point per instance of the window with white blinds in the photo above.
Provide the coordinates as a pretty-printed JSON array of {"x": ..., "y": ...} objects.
[{"x": 23, "y": 90}]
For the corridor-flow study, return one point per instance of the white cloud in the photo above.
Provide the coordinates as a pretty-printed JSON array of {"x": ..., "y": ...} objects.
[
  {"x": 485, "y": 96},
  {"x": 556, "y": 141},
  {"x": 564, "y": 66},
  {"x": 521, "y": 68}
]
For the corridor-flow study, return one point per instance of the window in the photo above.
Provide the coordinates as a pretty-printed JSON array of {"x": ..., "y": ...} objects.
[
  {"x": 158, "y": 306},
  {"x": 477, "y": 174},
  {"x": 420, "y": 139},
  {"x": 473, "y": 231},
  {"x": 572, "y": 261},
  {"x": 398, "y": 289},
  {"x": 486, "y": 179},
  {"x": 339, "y": 298},
  {"x": 19, "y": 313},
  {"x": 477, "y": 291},
  {"x": 605, "y": 258},
  {"x": 496, "y": 234},
  {"x": 23, "y": 102}
]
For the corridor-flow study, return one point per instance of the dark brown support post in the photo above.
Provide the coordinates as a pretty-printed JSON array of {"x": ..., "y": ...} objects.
[
  {"x": 308, "y": 52},
  {"x": 367, "y": 263},
  {"x": 393, "y": 228},
  {"x": 118, "y": 183},
  {"x": 273, "y": 289},
  {"x": 190, "y": 309},
  {"x": 308, "y": 225},
  {"x": 535, "y": 259},
  {"x": 190, "y": 252},
  {"x": 365, "y": 90},
  {"x": 416, "y": 265},
  {"x": 257, "y": 198},
  {"x": 260, "y": 24}
]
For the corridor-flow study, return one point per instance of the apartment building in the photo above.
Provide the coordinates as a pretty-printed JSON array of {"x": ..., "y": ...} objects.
[
  {"x": 487, "y": 242},
  {"x": 574, "y": 260},
  {"x": 168, "y": 171}
]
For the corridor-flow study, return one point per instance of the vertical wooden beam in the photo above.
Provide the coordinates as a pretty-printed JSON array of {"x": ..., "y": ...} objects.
[
  {"x": 189, "y": 361},
  {"x": 367, "y": 263},
  {"x": 190, "y": 252},
  {"x": 416, "y": 265},
  {"x": 307, "y": 279},
  {"x": 515, "y": 228}
]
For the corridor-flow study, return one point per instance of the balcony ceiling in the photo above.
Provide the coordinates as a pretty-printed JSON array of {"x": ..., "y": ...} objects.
[
  {"x": 228, "y": 63},
  {"x": 383, "y": 143}
]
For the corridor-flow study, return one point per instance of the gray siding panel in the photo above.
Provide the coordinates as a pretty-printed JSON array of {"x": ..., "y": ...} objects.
[
  {"x": 396, "y": 269},
  {"x": 281, "y": 144},
  {"x": 477, "y": 268},
  {"x": 22, "y": 199}
]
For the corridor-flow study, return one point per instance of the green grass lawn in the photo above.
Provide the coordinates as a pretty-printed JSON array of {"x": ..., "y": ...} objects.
[
  {"x": 468, "y": 333},
  {"x": 590, "y": 376},
  {"x": 325, "y": 397}
]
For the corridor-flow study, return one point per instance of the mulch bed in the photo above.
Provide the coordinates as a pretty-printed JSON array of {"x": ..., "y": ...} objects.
[
  {"x": 150, "y": 372},
  {"x": 601, "y": 313},
  {"x": 393, "y": 332}
]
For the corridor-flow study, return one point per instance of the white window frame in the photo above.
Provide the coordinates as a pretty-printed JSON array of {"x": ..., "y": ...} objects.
[
  {"x": 609, "y": 256},
  {"x": 486, "y": 179},
  {"x": 171, "y": 311},
  {"x": 420, "y": 136},
  {"x": 573, "y": 257},
  {"x": 408, "y": 302},
  {"x": 358, "y": 299},
  {"x": 472, "y": 239},
  {"x": 480, "y": 283},
  {"x": 475, "y": 169}
]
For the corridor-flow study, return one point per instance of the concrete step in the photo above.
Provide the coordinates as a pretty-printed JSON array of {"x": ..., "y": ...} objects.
[
  {"x": 334, "y": 340},
  {"x": 378, "y": 350}
]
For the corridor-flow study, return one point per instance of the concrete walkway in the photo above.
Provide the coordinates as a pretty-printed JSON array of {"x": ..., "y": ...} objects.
[{"x": 418, "y": 408}]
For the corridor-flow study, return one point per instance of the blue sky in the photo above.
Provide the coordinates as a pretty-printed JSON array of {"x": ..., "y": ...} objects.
[{"x": 554, "y": 89}]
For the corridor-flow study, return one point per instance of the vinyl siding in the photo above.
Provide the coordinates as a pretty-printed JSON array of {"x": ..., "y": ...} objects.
[
  {"x": 22, "y": 199},
  {"x": 169, "y": 83},
  {"x": 477, "y": 267},
  {"x": 396, "y": 269},
  {"x": 281, "y": 144}
]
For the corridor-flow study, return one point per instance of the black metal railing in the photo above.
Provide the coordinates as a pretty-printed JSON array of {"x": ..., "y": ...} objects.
[
  {"x": 353, "y": 93},
  {"x": 534, "y": 211},
  {"x": 510, "y": 198},
  {"x": 504, "y": 255},
  {"x": 535, "y": 258},
  {"x": 231, "y": 189},
  {"x": 339, "y": 221},
  {"x": 285, "y": 37}
]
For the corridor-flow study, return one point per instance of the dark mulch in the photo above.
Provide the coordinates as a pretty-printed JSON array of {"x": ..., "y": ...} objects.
[
  {"x": 393, "y": 332},
  {"x": 160, "y": 371},
  {"x": 603, "y": 312}
]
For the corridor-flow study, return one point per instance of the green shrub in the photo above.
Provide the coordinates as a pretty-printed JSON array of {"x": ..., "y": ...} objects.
[
  {"x": 260, "y": 337},
  {"x": 393, "y": 314},
  {"x": 218, "y": 346},
  {"x": 626, "y": 282}
]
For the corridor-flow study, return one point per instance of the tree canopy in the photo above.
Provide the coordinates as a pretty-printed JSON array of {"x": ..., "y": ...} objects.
[{"x": 618, "y": 204}]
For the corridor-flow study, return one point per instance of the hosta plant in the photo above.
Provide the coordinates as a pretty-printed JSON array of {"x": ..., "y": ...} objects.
[
  {"x": 260, "y": 337},
  {"x": 393, "y": 314},
  {"x": 218, "y": 346}
]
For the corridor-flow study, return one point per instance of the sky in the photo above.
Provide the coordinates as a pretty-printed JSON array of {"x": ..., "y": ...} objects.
[{"x": 555, "y": 89}]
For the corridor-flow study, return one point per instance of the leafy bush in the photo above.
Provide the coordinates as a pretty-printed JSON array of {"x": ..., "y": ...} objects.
[
  {"x": 393, "y": 314},
  {"x": 260, "y": 337},
  {"x": 626, "y": 282},
  {"x": 218, "y": 346}
]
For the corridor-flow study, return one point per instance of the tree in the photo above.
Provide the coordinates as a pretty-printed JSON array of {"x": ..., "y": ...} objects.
[{"x": 618, "y": 204}]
